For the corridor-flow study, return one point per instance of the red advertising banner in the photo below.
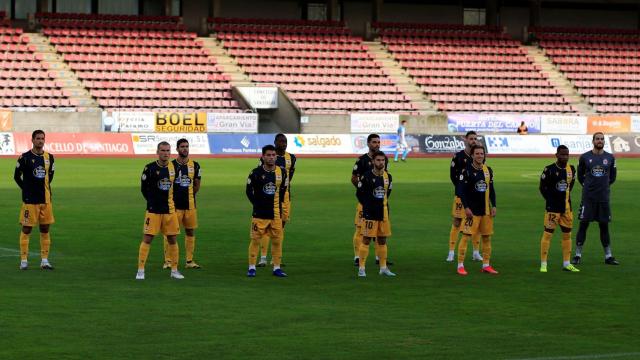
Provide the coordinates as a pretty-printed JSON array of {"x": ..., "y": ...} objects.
[
  {"x": 79, "y": 143},
  {"x": 609, "y": 124}
]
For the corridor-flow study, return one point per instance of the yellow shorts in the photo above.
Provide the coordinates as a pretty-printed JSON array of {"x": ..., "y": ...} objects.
[
  {"x": 482, "y": 224},
  {"x": 188, "y": 218},
  {"x": 261, "y": 228},
  {"x": 552, "y": 220},
  {"x": 286, "y": 206},
  {"x": 167, "y": 224},
  {"x": 457, "y": 210},
  {"x": 32, "y": 214},
  {"x": 358, "y": 220},
  {"x": 376, "y": 228}
]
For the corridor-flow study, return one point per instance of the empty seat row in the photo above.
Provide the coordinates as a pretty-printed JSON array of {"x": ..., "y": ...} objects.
[
  {"x": 74, "y": 24},
  {"x": 290, "y": 70},
  {"x": 467, "y": 65},
  {"x": 144, "y": 67},
  {"x": 38, "y": 102},
  {"x": 347, "y": 97},
  {"x": 309, "y": 62},
  {"x": 106, "y": 49},
  {"x": 500, "y": 99},
  {"x": 161, "y": 94},
  {"x": 138, "y": 59},
  {"x": 122, "y": 33},
  {"x": 272, "y": 45},
  {"x": 176, "y": 43},
  {"x": 319, "y": 79},
  {"x": 316, "y": 54},
  {"x": 476, "y": 90},
  {"x": 150, "y": 76},
  {"x": 316, "y": 38}
]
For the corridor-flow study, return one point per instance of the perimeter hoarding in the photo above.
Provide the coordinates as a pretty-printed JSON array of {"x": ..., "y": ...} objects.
[{"x": 79, "y": 143}]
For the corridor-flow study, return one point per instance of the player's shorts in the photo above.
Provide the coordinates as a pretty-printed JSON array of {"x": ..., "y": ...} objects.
[
  {"x": 599, "y": 211},
  {"x": 478, "y": 224},
  {"x": 552, "y": 220},
  {"x": 271, "y": 228},
  {"x": 167, "y": 224},
  {"x": 33, "y": 214},
  {"x": 286, "y": 206},
  {"x": 376, "y": 228},
  {"x": 402, "y": 145},
  {"x": 188, "y": 218},
  {"x": 457, "y": 210},
  {"x": 359, "y": 219}
]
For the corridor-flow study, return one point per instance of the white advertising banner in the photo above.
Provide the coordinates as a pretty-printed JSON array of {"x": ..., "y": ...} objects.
[
  {"x": 319, "y": 143},
  {"x": 144, "y": 144},
  {"x": 7, "y": 144},
  {"x": 374, "y": 123},
  {"x": 128, "y": 121},
  {"x": 260, "y": 97},
  {"x": 232, "y": 123},
  {"x": 516, "y": 144},
  {"x": 635, "y": 123},
  {"x": 563, "y": 124},
  {"x": 577, "y": 144}
]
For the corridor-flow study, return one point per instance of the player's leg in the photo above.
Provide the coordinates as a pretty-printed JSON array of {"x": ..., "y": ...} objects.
[
  {"x": 457, "y": 214},
  {"x": 363, "y": 254},
  {"x": 28, "y": 219},
  {"x": 486, "y": 229},
  {"x": 405, "y": 152},
  {"x": 264, "y": 250},
  {"x": 604, "y": 216},
  {"x": 277, "y": 235},
  {"x": 475, "y": 243},
  {"x": 171, "y": 228},
  {"x": 566, "y": 249},
  {"x": 586, "y": 215},
  {"x": 165, "y": 251},
  {"x": 45, "y": 219},
  {"x": 550, "y": 223},
  {"x": 190, "y": 223},
  {"x": 469, "y": 228},
  {"x": 357, "y": 235},
  {"x": 398, "y": 148},
  {"x": 257, "y": 232},
  {"x": 151, "y": 228},
  {"x": 384, "y": 232}
]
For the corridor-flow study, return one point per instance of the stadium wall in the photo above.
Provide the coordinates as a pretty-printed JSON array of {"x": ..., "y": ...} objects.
[{"x": 71, "y": 122}]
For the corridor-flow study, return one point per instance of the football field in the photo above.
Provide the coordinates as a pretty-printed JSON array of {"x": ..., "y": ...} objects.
[{"x": 91, "y": 306}]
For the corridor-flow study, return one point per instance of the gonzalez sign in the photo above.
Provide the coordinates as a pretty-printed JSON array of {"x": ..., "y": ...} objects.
[{"x": 181, "y": 122}]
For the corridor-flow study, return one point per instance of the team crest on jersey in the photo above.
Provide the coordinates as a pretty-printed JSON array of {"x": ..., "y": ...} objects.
[
  {"x": 46, "y": 161},
  {"x": 39, "y": 172},
  {"x": 278, "y": 177},
  {"x": 605, "y": 161},
  {"x": 481, "y": 186},
  {"x": 164, "y": 184},
  {"x": 269, "y": 188},
  {"x": 190, "y": 170},
  {"x": 386, "y": 181},
  {"x": 598, "y": 171},
  {"x": 562, "y": 186},
  {"x": 379, "y": 192}
]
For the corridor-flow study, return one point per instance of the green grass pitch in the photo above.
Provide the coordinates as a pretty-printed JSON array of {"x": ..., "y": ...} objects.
[{"x": 91, "y": 307}]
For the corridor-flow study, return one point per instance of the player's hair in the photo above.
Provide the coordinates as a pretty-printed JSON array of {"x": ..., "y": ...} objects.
[
  {"x": 163, "y": 143},
  {"x": 403, "y": 122},
  {"x": 268, "y": 148},
  {"x": 597, "y": 133},
  {"x": 474, "y": 147},
  {"x": 561, "y": 147},
  {"x": 36, "y": 133},
  {"x": 379, "y": 153},
  {"x": 470, "y": 133},
  {"x": 183, "y": 140},
  {"x": 279, "y": 136},
  {"x": 372, "y": 136}
]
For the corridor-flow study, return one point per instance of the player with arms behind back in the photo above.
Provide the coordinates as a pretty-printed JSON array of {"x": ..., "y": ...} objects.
[
  {"x": 556, "y": 183},
  {"x": 34, "y": 174}
]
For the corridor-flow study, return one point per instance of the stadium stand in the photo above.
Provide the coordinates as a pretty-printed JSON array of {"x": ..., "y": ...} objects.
[
  {"x": 322, "y": 67},
  {"x": 603, "y": 64},
  {"x": 471, "y": 68},
  {"x": 26, "y": 80},
  {"x": 139, "y": 62}
]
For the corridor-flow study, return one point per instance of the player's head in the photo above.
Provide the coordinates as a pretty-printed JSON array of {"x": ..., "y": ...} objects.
[
  {"x": 470, "y": 139},
  {"x": 403, "y": 122},
  {"x": 379, "y": 159},
  {"x": 280, "y": 142},
  {"x": 269, "y": 155},
  {"x": 522, "y": 123},
  {"x": 163, "y": 151},
  {"x": 37, "y": 139},
  {"x": 598, "y": 140},
  {"x": 562, "y": 154},
  {"x": 477, "y": 153},
  {"x": 182, "y": 147},
  {"x": 373, "y": 142}
]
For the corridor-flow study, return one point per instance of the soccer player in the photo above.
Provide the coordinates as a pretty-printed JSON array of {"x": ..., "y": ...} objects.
[
  {"x": 364, "y": 164},
  {"x": 266, "y": 188},
  {"x": 374, "y": 189},
  {"x": 187, "y": 185},
  {"x": 556, "y": 183},
  {"x": 157, "y": 188},
  {"x": 34, "y": 174},
  {"x": 401, "y": 144},
  {"x": 459, "y": 162},
  {"x": 478, "y": 197},
  {"x": 596, "y": 172},
  {"x": 287, "y": 161}
]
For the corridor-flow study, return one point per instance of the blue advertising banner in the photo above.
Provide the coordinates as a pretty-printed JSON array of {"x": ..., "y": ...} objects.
[
  {"x": 502, "y": 123},
  {"x": 239, "y": 143}
]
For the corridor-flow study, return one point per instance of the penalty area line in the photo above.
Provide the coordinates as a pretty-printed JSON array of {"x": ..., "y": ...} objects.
[{"x": 584, "y": 357}]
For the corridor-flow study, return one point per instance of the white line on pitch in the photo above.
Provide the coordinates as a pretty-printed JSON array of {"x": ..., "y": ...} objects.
[{"x": 584, "y": 357}]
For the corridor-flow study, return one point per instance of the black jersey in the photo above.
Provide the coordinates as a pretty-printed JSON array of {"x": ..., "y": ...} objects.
[
  {"x": 365, "y": 163},
  {"x": 266, "y": 189},
  {"x": 556, "y": 184},
  {"x": 34, "y": 174},
  {"x": 458, "y": 163},
  {"x": 373, "y": 193},
  {"x": 184, "y": 196},
  {"x": 596, "y": 172},
  {"x": 157, "y": 187},
  {"x": 475, "y": 189}
]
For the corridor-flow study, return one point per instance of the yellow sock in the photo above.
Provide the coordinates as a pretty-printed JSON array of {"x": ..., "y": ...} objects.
[
  {"x": 475, "y": 242},
  {"x": 189, "y": 246},
  {"x": 276, "y": 251},
  {"x": 264, "y": 246},
  {"x": 376, "y": 249},
  {"x": 453, "y": 237},
  {"x": 357, "y": 240},
  {"x": 566, "y": 246},
  {"x": 24, "y": 246},
  {"x": 545, "y": 242},
  {"x": 174, "y": 255},
  {"x": 143, "y": 254},
  {"x": 165, "y": 246},
  {"x": 382, "y": 250},
  {"x": 486, "y": 249},
  {"x": 462, "y": 248},
  {"x": 45, "y": 244},
  {"x": 363, "y": 253},
  {"x": 254, "y": 250}
]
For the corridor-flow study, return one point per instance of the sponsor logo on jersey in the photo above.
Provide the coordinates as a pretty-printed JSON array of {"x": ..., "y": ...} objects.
[
  {"x": 481, "y": 186},
  {"x": 379, "y": 192},
  {"x": 269, "y": 188},
  {"x": 39, "y": 172},
  {"x": 164, "y": 184},
  {"x": 562, "y": 186},
  {"x": 598, "y": 171}
]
